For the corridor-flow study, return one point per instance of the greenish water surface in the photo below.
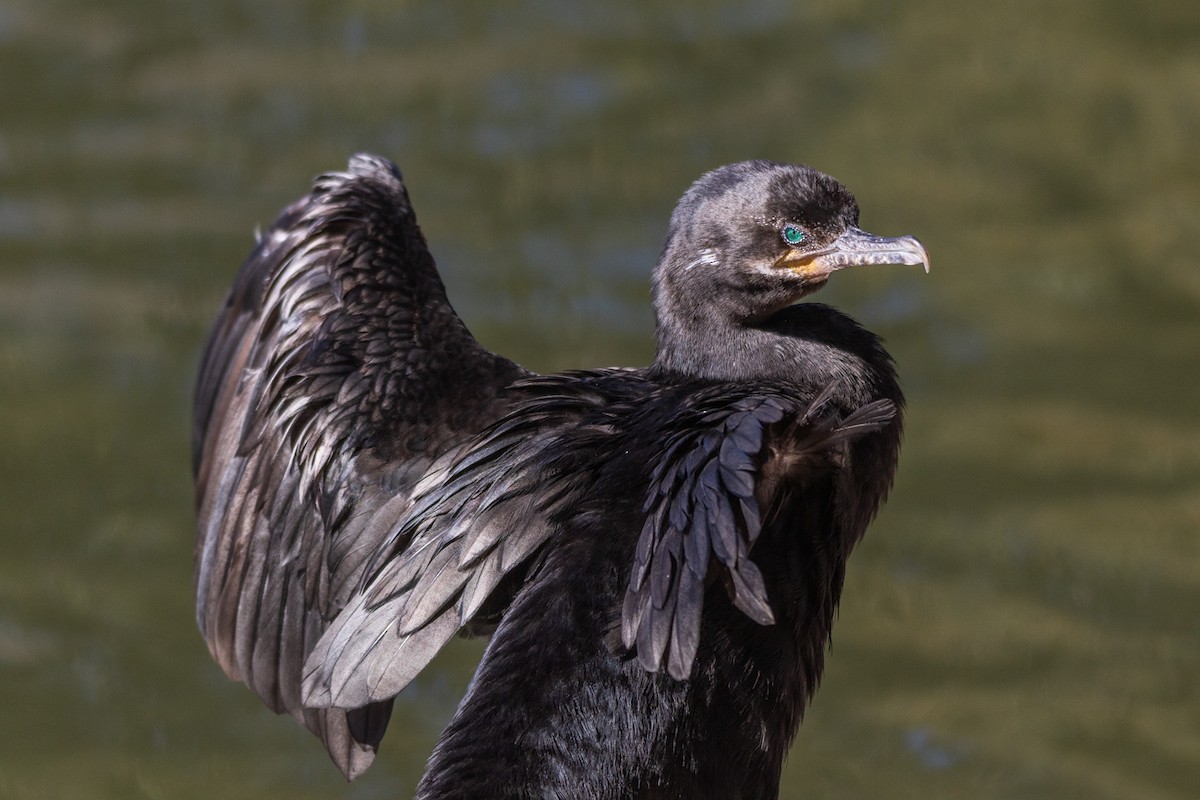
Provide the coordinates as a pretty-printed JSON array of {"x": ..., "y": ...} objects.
[{"x": 1023, "y": 620}]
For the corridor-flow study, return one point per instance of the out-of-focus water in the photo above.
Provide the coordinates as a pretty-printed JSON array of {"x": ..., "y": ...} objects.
[{"x": 1023, "y": 621}]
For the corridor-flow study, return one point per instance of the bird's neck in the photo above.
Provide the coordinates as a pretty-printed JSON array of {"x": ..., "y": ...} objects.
[{"x": 810, "y": 344}]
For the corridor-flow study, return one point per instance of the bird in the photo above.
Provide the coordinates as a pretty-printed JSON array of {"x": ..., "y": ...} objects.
[{"x": 655, "y": 554}]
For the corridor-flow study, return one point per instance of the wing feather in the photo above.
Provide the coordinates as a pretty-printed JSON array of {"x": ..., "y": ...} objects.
[
  {"x": 335, "y": 350},
  {"x": 703, "y": 507},
  {"x": 475, "y": 519}
]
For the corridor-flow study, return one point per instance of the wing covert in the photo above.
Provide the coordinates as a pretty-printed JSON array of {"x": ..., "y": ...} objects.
[
  {"x": 479, "y": 517},
  {"x": 704, "y": 509}
]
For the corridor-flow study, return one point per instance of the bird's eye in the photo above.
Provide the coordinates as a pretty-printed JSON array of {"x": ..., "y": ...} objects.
[{"x": 793, "y": 234}]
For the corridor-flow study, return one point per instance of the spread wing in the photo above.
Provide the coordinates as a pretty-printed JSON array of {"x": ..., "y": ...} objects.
[
  {"x": 335, "y": 374},
  {"x": 479, "y": 520},
  {"x": 704, "y": 508}
]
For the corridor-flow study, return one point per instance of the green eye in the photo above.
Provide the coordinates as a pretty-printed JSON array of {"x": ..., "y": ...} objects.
[{"x": 792, "y": 234}]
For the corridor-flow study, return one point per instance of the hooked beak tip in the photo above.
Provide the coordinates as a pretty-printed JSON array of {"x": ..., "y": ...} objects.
[{"x": 858, "y": 248}]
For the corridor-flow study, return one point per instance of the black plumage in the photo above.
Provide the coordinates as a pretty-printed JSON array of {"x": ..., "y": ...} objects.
[{"x": 657, "y": 553}]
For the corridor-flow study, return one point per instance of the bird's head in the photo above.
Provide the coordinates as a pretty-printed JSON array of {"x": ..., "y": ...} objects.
[{"x": 748, "y": 240}]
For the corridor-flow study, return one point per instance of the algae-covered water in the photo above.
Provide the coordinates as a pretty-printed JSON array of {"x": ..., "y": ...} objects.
[{"x": 1023, "y": 620}]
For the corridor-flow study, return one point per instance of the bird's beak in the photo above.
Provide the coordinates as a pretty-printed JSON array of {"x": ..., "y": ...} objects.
[{"x": 854, "y": 248}]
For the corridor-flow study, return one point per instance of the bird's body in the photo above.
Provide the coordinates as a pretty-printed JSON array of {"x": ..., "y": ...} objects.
[{"x": 660, "y": 552}]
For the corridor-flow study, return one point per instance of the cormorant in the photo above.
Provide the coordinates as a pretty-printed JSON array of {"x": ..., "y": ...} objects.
[{"x": 657, "y": 553}]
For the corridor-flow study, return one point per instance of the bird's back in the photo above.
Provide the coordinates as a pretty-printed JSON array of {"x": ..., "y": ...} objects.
[{"x": 559, "y": 701}]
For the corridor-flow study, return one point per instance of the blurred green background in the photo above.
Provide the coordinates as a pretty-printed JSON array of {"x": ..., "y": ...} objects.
[{"x": 1023, "y": 620}]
